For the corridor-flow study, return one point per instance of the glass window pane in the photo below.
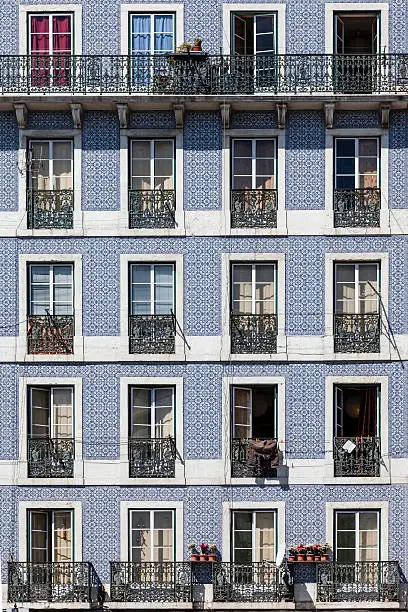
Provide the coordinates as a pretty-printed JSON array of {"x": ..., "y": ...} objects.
[
  {"x": 345, "y": 555},
  {"x": 141, "y": 293},
  {"x": 242, "y": 397},
  {"x": 265, "y": 148},
  {"x": 140, "y": 274},
  {"x": 346, "y": 520},
  {"x": 40, "y": 151},
  {"x": 265, "y": 167},
  {"x": 243, "y": 556},
  {"x": 345, "y": 273},
  {"x": 163, "y": 167},
  {"x": 243, "y": 539},
  {"x": 163, "y": 520},
  {"x": 368, "y": 147},
  {"x": 141, "y": 149},
  {"x": 345, "y": 165},
  {"x": 243, "y": 166},
  {"x": 368, "y": 520},
  {"x": 242, "y": 273},
  {"x": 163, "y": 274},
  {"x": 63, "y": 274},
  {"x": 40, "y": 274},
  {"x": 345, "y": 147},
  {"x": 164, "y": 397},
  {"x": 346, "y": 539},
  {"x": 62, "y": 150},
  {"x": 141, "y": 397},
  {"x": 368, "y": 273},
  {"x": 264, "y": 274},
  {"x": 140, "y": 520},
  {"x": 242, "y": 520},
  {"x": 163, "y": 149},
  {"x": 242, "y": 148}
]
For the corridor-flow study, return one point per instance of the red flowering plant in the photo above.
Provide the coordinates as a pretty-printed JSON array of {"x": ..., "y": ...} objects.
[
  {"x": 300, "y": 549},
  {"x": 317, "y": 550},
  {"x": 204, "y": 548}
]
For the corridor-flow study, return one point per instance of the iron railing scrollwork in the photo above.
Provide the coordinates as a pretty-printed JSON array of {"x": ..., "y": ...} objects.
[
  {"x": 163, "y": 581},
  {"x": 152, "y": 458},
  {"x": 50, "y": 209},
  {"x": 258, "y": 581},
  {"x": 239, "y": 462},
  {"x": 363, "y": 460},
  {"x": 359, "y": 581},
  {"x": 50, "y": 334},
  {"x": 357, "y": 333},
  {"x": 152, "y": 333},
  {"x": 357, "y": 207},
  {"x": 152, "y": 209},
  {"x": 254, "y": 333},
  {"x": 254, "y": 208},
  {"x": 50, "y": 457},
  {"x": 54, "y": 582}
]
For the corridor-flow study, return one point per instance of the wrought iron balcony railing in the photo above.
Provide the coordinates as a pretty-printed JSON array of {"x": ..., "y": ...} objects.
[
  {"x": 152, "y": 458},
  {"x": 50, "y": 457},
  {"x": 241, "y": 467},
  {"x": 254, "y": 333},
  {"x": 50, "y": 209},
  {"x": 50, "y": 334},
  {"x": 194, "y": 74},
  {"x": 152, "y": 334},
  {"x": 363, "y": 460},
  {"x": 254, "y": 208},
  {"x": 153, "y": 208},
  {"x": 359, "y": 581},
  {"x": 161, "y": 581},
  {"x": 357, "y": 333},
  {"x": 357, "y": 207},
  {"x": 262, "y": 581},
  {"x": 53, "y": 582}
]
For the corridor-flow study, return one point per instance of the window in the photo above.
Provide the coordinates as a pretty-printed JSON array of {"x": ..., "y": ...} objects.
[
  {"x": 50, "y": 163},
  {"x": 254, "y": 412},
  {"x": 50, "y": 536},
  {"x": 51, "y": 289},
  {"x": 152, "y": 164},
  {"x": 151, "y": 289},
  {"x": 357, "y": 411},
  {"x": 151, "y": 535},
  {"x": 254, "y": 536},
  {"x": 152, "y": 34},
  {"x": 254, "y": 163},
  {"x": 50, "y": 34},
  {"x": 254, "y": 34},
  {"x": 357, "y": 33},
  {"x": 357, "y": 536},
  {"x": 152, "y": 411},
  {"x": 254, "y": 288},
  {"x": 50, "y": 412},
  {"x": 357, "y": 163},
  {"x": 357, "y": 288}
]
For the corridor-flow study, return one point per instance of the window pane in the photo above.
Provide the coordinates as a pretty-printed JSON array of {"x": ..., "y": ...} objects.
[
  {"x": 346, "y": 520},
  {"x": 243, "y": 556},
  {"x": 141, "y": 397},
  {"x": 265, "y": 148},
  {"x": 163, "y": 149},
  {"x": 163, "y": 520},
  {"x": 243, "y": 520},
  {"x": 243, "y": 166},
  {"x": 242, "y": 273},
  {"x": 140, "y": 274},
  {"x": 346, "y": 539},
  {"x": 345, "y": 555},
  {"x": 345, "y": 147},
  {"x": 368, "y": 273},
  {"x": 164, "y": 397},
  {"x": 368, "y": 520},
  {"x": 62, "y": 400},
  {"x": 140, "y": 520},
  {"x": 40, "y": 274},
  {"x": 242, "y": 148},
  {"x": 163, "y": 274},
  {"x": 368, "y": 146},
  {"x": 242, "y": 397},
  {"x": 63, "y": 274},
  {"x": 264, "y": 274},
  {"x": 164, "y": 422},
  {"x": 141, "y": 293},
  {"x": 141, "y": 149},
  {"x": 243, "y": 539}
]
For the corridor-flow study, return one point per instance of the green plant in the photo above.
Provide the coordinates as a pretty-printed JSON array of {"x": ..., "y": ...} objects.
[{"x": 185, "y": 47}]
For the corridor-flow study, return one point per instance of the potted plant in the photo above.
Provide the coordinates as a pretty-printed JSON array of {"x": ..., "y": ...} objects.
[
  {"x": 194, "y": 554},
  {"x": 203, "y": 551},
  {"x": 212, "y": 553},
  {"x": 317, "y": 551},
  {"x": 309, "y": 553},
  {"x": 185, "y": 47},
  {"x": 301, "y": 552},
  {"x": 197, "y": 45},
  {"x": 292, "y": 553},
  {"x": 325, "y": 550}
]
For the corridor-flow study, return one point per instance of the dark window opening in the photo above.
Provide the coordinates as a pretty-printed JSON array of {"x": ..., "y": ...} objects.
[
  {"x": 356, "y": 33},
  {"x": 357, "y": 411}
]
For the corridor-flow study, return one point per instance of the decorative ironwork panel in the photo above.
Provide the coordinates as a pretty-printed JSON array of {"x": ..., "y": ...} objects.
[
  {"x": 357, "y": 207},
  {"x": 259, "y": 581},
  {"x": 50, "y": 334},
  {"x": 359, "y": 581},
  {"x": 152, "y": 334},
  {"x": 153, "y": 458},
  {"x": 50, "y": 209},
  {"x": 364, "y": 460},
  {"x": 56, "y": 582},
  {"x": 357, "y": 333},
  {"x": 239, "y": 462},
  {"x": 150, "y": 581},
  {"x": 152, "y": 208},
  {"x": 254, "y": 207},
  {"x": 254, "y": 333},
  {"x": 50, "y": 457}
]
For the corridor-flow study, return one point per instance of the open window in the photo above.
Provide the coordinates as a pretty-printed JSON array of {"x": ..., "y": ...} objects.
[
  {"x": 254, "y": 33},
  {"x": 357, "y": 33},
  {"x": 50, "y": 536}
]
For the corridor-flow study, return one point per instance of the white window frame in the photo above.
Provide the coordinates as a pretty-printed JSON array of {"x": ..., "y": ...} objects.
[
  {"x": 152, "y": 513},
  {"x": 254, "y": 266},
  {"x": 178, "y": 527},
  {"x": 127, "y": 9},
  {"x": 357, "y": 301},
  {"x": 352, "y": 7},
  {"x": 51, "y": 142},
  {"x": 61, "y": 9},
  {"x": 50, "y": 15},
  {"x": 152, "y": 30},
  {"x": 48, "y": 512},
  {"x": 250, "y": 408},
  {"x": 253, "y": 541},
  {"x": 152, "y": 409},
  {"x": 254, "y": 159},
  {"x": 152, "y": 158},
  {"x": 51, "y": 288},
  {"x": 357, "y": 530},
  {"x": 52, "y": 424},
  {"x": 152, "y": 286},
  {"x": 357, "y": 158},
  {"x": 23, "y": 524},
  {"x": 250, "y": 506},
  {"x": 278, "y": 8}
]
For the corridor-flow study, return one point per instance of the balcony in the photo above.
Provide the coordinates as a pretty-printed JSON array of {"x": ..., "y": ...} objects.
[
  {"x": 155, "y": 582},
  {"x": 357, "y": 333},
  {"x": 53, "y": 582},
  {"x": 245, "y": 463},
  {"x": 50, "y": 334},
  {"x": 50, "y": 209},
  {"x": 252, "y": 208},
  {"x": 359, "y": 581},
  {"x": 357, "y": 207},
  {"x": 363, "y": 460},
  {"x": 152, "y": 334},
  {"x": 254, "y": 333},
  {"x": 252, "y": 582},
  {"x": 152, "y": 209},
  {"x": 152, "y": 458},
  {"x": 50, "y": 457}
]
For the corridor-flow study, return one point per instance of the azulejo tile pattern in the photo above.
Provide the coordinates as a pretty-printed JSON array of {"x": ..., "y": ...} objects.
[{"x": 9, "y": 163}]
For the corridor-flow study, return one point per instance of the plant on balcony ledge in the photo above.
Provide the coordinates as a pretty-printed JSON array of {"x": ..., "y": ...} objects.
[
  {"x": 194, "y": 554},
  {"x": 301, "y": 552}
]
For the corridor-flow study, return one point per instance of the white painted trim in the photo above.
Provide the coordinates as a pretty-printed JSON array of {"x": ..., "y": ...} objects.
[
  {"x": 279, "y": 8},
  {"x": 125, "y": 506},
  {"x": 25, "y": 9},
  {"x": 139, "y": 7},
  {"x": 24, "y": 261},
  {"x": 49, "y": 505},
  {"x": 353, "y": 7},
  {"x": 228, "y": 507},
  {"x": 227, "y": 260},
  {"x": 382, "y": 506}
]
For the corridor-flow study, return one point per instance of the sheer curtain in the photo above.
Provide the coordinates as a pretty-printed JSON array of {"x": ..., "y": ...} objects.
[
  {"x": 163, "y": 33},
  {"x": 141, "y": 34}
]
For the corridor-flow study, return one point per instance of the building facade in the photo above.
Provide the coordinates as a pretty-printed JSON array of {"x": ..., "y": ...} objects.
[{"x": 203, "y": 330}]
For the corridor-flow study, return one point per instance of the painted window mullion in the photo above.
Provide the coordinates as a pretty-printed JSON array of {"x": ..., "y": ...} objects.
[
  {"x": 253, "y": 277},
  {"x": 253, "y": 552},
  {"x": 152, "y": 300},
  {"x": 356, "y": 288},
  {"x": 151, "y": 535},
  {"x": 51, "y": 302},
  {"x": 356, "y": 161},
  {"x": 153, "y": 414},
  {"x": 253, "y": 166},
  {"x": 152, "y": 157}
]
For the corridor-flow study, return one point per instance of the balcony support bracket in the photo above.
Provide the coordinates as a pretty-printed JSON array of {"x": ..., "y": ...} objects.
[
  {"x": 76, "y": 110},
  {"x": 385, "y": 115},
  {"x": 179, "y": 115},
  {"x": 123, "y": 114},
  {"x": 281, "y": 110},
  {"x": 21, "y": 115},
  {"x": 329, "y": 114},
  {"x": 225, "y": 110}
]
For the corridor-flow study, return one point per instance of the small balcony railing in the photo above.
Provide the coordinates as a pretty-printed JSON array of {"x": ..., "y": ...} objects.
[
  {"x": 152, "y": 458},
  {"x": 362, "y": 460},
  {"x": 243, "y": 465},
  {"x": 50, "y": 334},
  {"x": 254, "y": 333},
  {"x": 152, "y": 334},
  {"x": 357, "y": 333},
  {"x": 155, "y": 582},
  {"x": 152, "y": 209},
  {"x": 53, "y": 582},
  {"x": 262, "y": 581},
  {"x": 357, "y": 207},
  {"x": 359, "y": 581},
  {"x": 50, "y": 457},
  {"x": 50, "y": 209},
  {"x": 254, "y": 208}
]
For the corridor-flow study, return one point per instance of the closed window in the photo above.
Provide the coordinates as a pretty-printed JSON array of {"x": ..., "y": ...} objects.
[
  {"x": 152, "y": 164},
  {"x": 151, "y": 289},
  {"x": 357, "y": 288},
  {"x": 254, "y": 163},
  {"x": 151, "y": 535},
  {"x": 152, "y": 412},
  {"x": 152, "y": 34},
  {"x": 357, "y": 536},
  {"x": 50, "y": 165},
  {"x": 357, "y": 163},
  {"x": 254, "y": 288},
  {"x": 254, "y": 536},
  {"x": 254, "y": 33},
  {"x": 50, "y": 536},
  {"x": 50, "y": 34},
  {"x": 50, "y": 289},
  {"x": 50, "y": 412}
]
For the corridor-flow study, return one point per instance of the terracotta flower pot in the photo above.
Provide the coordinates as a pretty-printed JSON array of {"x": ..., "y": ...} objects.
[
  {"x": 292, "y": 557},
  {"x": 196, "y": 48},
  {"x": 195, "y": 557},
  {"x": 317, "y": 557},
  {"x": 203, "y": 557},
  {"x": 324, "y": 557},
  {"x": 310, "y": 557},
  {"x": 301, "y": 557},
  {"x": 212, "y": 557}
]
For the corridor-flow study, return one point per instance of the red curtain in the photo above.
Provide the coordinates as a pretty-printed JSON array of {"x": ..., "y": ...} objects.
[
  {"x": 61, "y": 33},
  {"x": 40, "y": 36}
]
